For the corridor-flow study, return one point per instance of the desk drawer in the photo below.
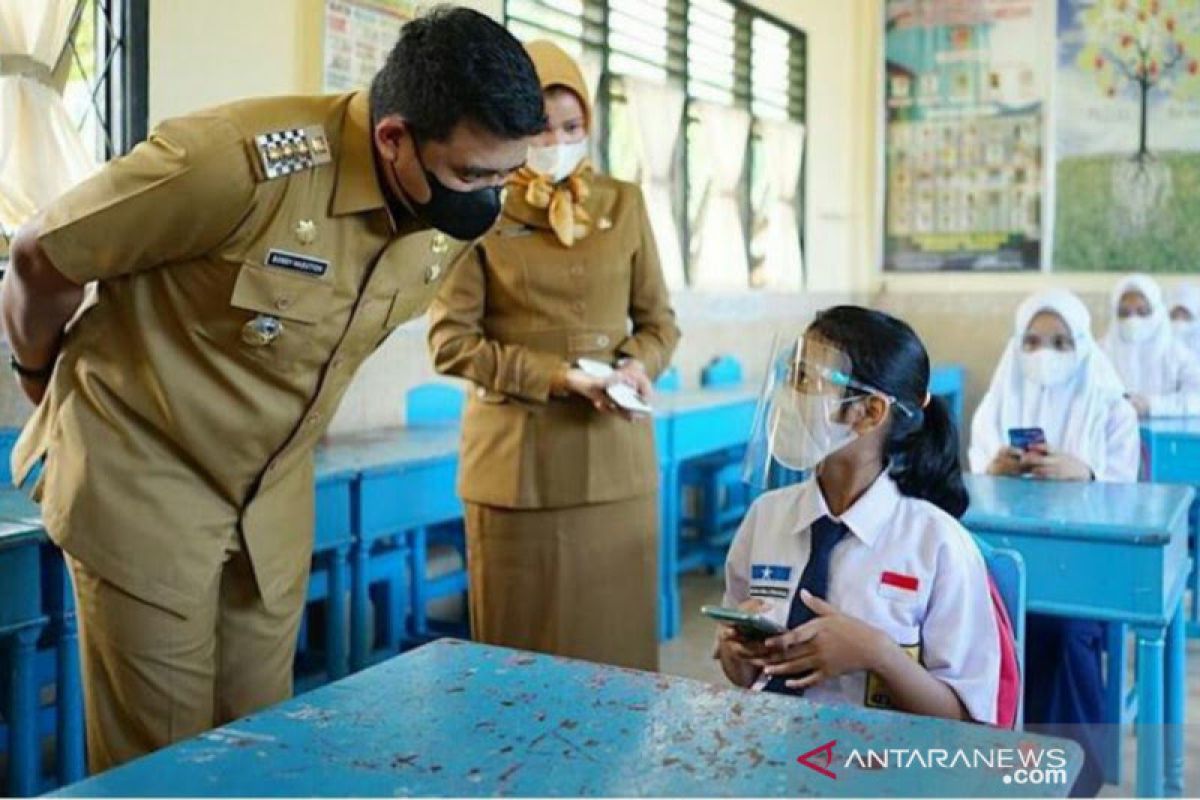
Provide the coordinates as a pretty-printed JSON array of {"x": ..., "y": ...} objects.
[
  {"x": 410, "y": 496},
  {"x": 333, "y": 521},
  {"x": 20, "y": 584},
  {"x": 1099, "y": 580},
  {"x": 1174, "y": 459}
]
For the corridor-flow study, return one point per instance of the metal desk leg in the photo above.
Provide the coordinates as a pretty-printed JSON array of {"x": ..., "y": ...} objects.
[
  {"x": 24, "y": 773},
  {"x": 418, "y": 555},
  {"x": 1150, "y": 760},
  {"x": 1115, "y": 690},
  {"x": 1176, "y": 702},
  {"x": 336, "y": 659},
  {"x": 669, "y": 552},
  {"x": 69, "y": 686},
  {"x": 360, "y": 617}
]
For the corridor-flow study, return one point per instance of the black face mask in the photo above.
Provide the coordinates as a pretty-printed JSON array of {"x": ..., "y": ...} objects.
[{"x": 462, "y": 215}]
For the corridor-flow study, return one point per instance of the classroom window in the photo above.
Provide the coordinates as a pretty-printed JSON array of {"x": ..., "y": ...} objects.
[
  {"x": 93, "y": 54},
  {"x": 105, "y": 90},
  {"x": 718, "y": 53},
  {"x": 711, "y": 51}
]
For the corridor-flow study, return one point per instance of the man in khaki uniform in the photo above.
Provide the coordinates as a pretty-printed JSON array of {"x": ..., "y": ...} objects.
[{"x": 247, "y": 259}]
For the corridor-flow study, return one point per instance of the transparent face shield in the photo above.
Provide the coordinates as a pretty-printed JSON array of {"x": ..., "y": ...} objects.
[{"x": 801, "y": 416}]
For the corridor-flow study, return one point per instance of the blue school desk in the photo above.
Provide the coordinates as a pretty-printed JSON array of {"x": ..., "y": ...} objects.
[
  {"x": 333, "y": 539},
  {"x": 691, "y": 424},
  {"x": 1172, "y": 455},
  {"x": 405, "y": 483},
  {"x": 467, "y": 720},
  {"x": 35, "y": 595},
  {"x": 21, "y": 623},
  {"x": 1112, "y": 552}
]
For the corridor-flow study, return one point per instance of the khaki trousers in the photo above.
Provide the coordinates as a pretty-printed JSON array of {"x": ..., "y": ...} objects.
[{"x": 152, "y": 677}]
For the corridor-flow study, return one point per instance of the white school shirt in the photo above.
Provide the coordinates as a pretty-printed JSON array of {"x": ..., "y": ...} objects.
[{"x": 905, "y": 567}]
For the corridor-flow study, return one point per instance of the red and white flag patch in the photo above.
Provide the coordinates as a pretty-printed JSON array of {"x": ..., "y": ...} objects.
[{"x": 898, "y": 586}]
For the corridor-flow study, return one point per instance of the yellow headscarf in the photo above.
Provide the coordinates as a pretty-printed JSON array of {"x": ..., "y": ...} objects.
[{"x": 563, "y": 201}]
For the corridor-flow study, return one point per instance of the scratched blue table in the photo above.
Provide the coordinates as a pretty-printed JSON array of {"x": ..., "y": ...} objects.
[
  {"x": 1112, "y": 552},
  {"x": 458, "y": 719},
  {"x": 1172, "y": 452},
  {"x": 691, "y": 424}
]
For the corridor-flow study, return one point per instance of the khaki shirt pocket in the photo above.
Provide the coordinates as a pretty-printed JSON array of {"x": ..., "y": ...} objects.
[{"x": 297, "y": 303}]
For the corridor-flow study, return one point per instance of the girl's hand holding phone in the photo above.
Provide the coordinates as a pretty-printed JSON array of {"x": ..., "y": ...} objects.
[{"x": 734, "y": 643}]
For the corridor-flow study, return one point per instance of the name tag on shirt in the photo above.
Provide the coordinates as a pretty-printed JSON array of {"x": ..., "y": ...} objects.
[
  {"x": 898, "y": 586},
  {"x": 297, "y": 262}
]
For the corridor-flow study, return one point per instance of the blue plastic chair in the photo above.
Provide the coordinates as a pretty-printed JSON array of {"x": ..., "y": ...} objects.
[
  {"x": 434, "y": 405},
  {"x": 717, "y": 480},
  {"x": 669, "y": 380},
  {"x": 1007, "y": 569}
]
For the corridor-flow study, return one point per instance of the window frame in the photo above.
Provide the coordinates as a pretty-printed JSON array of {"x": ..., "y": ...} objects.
[{"x": 597, "y": 38}]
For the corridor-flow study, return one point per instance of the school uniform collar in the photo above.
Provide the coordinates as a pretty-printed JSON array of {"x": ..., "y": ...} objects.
[{"x": 868, "y": 516}]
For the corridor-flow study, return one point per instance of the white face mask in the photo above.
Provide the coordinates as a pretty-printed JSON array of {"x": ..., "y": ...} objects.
[
  {"x": 1183, "y": 328},
  {"x": 1047, "y": 367},
  {"x": 557, "y": 161},
  {"x": 803, "y": 432},
  {"x": 1136, "y": 330}
]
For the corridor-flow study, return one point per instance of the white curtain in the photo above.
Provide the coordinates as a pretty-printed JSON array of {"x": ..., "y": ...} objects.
[
  {"x": 658, "y": 110},
  {"x": 41, "y": 153},
  {"x": 720, "y": 254},
  {"x": 778, "y": 242}
]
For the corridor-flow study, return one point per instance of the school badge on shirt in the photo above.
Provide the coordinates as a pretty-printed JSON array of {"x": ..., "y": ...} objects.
[{"x": 770, "y": 580}]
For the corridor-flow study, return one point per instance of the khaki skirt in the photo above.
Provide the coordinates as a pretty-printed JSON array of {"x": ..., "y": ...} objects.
[{"x": 580, "y": 582}]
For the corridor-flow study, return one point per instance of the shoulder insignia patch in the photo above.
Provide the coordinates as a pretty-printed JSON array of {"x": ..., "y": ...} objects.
[{"x": 291, "y": 150}]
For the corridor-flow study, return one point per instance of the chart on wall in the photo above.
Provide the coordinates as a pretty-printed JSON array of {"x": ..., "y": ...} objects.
[
  {"x": 965, "y": 86},
  {"x": 359, "y": 34},
  {"x": 1127, "y": 98}
]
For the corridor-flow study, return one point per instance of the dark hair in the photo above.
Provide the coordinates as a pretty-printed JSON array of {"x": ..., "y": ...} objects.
[
  {"x": 923, "y": 445},
  {"x": 452, "y": 64}
]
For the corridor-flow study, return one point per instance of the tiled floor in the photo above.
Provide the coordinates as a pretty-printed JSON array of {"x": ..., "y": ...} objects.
[{"x": 690, "y": 655}]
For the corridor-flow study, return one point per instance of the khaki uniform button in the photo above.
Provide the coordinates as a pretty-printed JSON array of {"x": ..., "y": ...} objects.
[
  {"x": 283, "y": 302},
  {"x": 602, "y": 341}
]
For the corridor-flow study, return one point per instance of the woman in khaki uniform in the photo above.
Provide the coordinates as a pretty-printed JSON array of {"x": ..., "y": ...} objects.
[{"x": 559, "y": 484}]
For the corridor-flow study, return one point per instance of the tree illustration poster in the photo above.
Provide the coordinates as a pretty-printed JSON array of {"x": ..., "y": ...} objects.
[{"x": 1127, "y": 99}]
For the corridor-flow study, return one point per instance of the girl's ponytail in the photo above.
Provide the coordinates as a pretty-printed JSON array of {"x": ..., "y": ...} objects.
[{"x": 925, "y": 462}]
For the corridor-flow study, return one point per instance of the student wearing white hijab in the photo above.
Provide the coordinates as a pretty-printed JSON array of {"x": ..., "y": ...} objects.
[
  {"x": 1162, "y": 377},
  {"x": 1053, "y": 376},
  {"x": 1185, "y": 316}
]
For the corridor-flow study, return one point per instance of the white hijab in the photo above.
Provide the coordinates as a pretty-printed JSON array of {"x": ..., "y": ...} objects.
[
  {"x": 1150, "y": 367},
  {"x": 1187, "y": 295},
  {"x": 1074, "y": 414}
]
